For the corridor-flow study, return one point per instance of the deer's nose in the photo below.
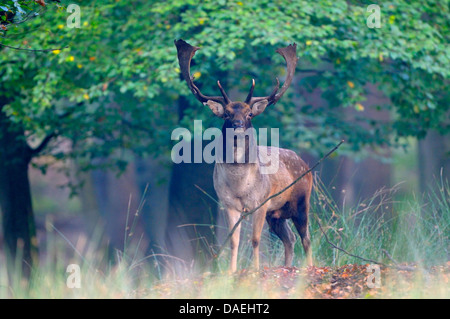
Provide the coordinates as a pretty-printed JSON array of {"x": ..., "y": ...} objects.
[{"x": 238, "y": 123}]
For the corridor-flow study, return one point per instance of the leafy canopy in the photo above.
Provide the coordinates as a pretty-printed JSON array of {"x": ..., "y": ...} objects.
[{"x": 114, "y": 83}]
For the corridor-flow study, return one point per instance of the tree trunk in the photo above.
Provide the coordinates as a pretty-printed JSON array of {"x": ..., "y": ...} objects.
[
  {"x": 154, "y": 174},
  {"x": 434, "y": 160},
  {"x": 190, "y": 207},
  {"x": 118, "y": 199},
  {"x": 19, "y": 228}
]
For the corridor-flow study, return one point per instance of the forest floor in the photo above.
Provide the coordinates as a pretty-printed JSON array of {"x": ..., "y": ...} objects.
[{"x": 348, "y": 281}]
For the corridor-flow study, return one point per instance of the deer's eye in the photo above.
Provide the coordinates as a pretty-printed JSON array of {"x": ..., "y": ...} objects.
[{"x": 250, "y": 114}]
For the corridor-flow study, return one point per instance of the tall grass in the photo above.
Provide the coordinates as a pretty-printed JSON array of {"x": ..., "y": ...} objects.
[{"x": 412, "y": 230}]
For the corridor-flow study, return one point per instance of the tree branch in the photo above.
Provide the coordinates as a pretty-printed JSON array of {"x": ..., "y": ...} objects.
[
  {"x": 32, "y": 50},
  {"x": 400, "y": 267},
  {"x": 44, "y": 143}
]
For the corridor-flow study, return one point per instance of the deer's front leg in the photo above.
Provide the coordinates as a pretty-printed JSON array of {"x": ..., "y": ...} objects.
[
  {"x": 258, "y": 223},
  {"x": 233, "y": 217}
]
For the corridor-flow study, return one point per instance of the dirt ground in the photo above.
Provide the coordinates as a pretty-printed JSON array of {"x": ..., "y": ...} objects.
[
  {"x": 345, "y": 282},
  {"x": 357, "y": 281}
]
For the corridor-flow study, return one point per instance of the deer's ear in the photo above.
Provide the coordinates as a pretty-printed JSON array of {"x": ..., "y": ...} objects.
[
  {"x": 215, "y": 107},
  {"x": 259, "y": 107}
]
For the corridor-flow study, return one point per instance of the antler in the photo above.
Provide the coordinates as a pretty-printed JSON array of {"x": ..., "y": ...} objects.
[
  {"x": 225, "y": 96},
  {"x": 185, "y": 54},
  {"x": 187, "y": 51},
  {"x": 289, "y": 54}
]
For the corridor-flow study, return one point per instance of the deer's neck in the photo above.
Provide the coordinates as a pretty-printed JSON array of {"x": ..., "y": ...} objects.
[{"x": 243, "y": 172}]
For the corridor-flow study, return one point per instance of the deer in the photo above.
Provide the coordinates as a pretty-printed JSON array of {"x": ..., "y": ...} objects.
[{"x": 240, "y": 184}]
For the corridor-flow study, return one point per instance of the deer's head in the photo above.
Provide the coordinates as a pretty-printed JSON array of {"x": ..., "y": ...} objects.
[{"x": 237, "y": 115}]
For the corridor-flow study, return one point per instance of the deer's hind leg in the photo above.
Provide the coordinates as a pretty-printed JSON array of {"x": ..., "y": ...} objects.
[
  {"x": 281, "y": 228},
  {"x": 300, "y": 220}
]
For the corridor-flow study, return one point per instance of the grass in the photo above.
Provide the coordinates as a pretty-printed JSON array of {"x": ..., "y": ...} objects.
[
  {"x": 410, "y": 230},
  {"x": 414, "y": 231}
]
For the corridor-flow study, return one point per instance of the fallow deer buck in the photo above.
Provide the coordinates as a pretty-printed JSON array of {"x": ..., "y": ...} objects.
[{"x": 241, "y": 185}]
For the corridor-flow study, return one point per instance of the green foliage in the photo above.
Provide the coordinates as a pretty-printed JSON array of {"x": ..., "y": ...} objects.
[{"x": 114, "y": 83}]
